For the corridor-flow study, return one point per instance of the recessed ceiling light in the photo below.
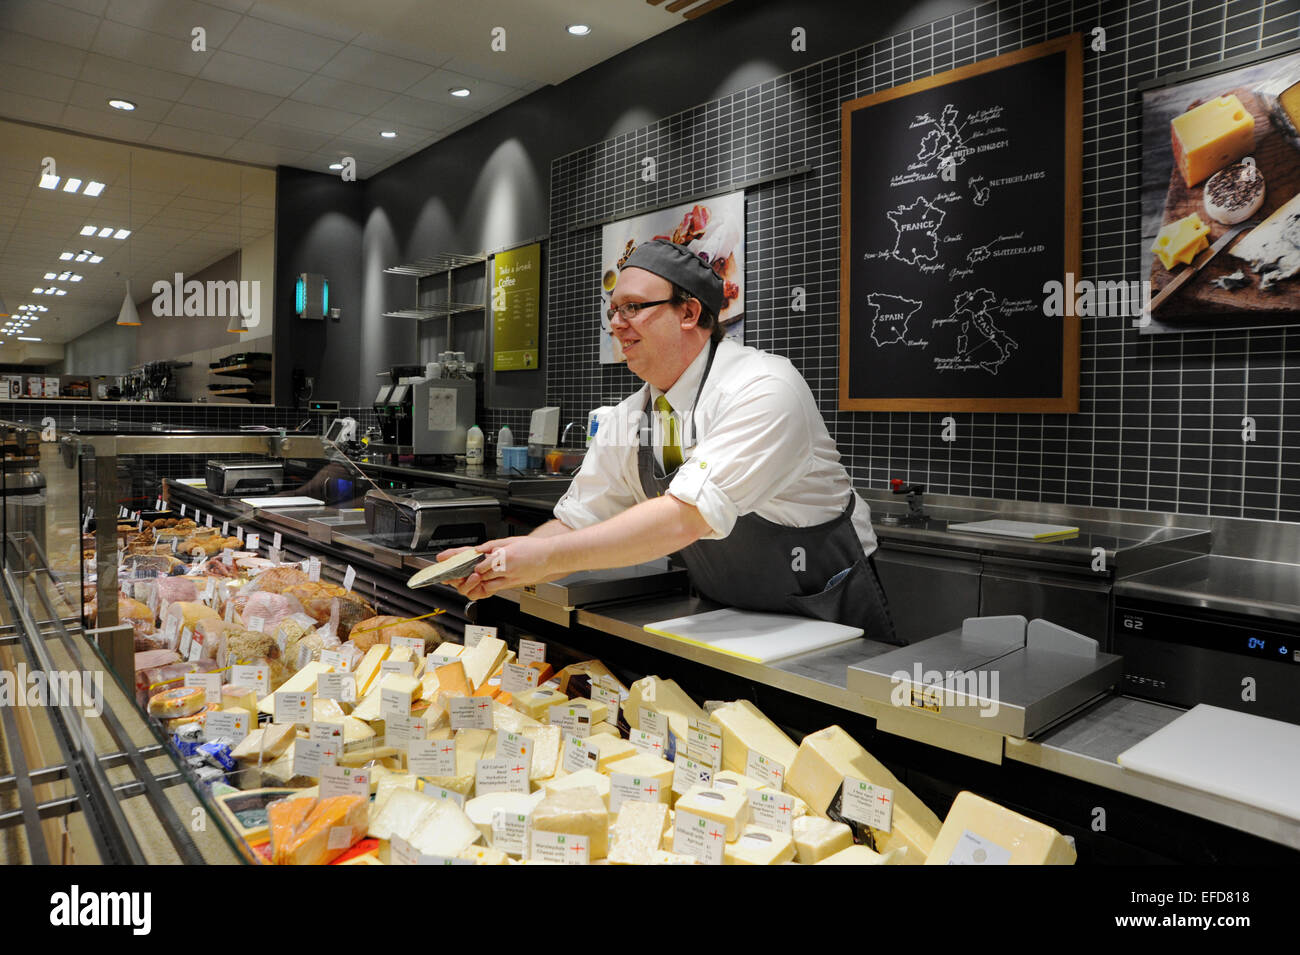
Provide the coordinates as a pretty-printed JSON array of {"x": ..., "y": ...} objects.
[
  {"x": 88, "y": 230},
  {"x": 388, "y": 133},
  {"x": 65, "y": 256},
  {"x": 458, "y": 91},
  {"x": 122, "y": 104},
  {"x": 121, "y": 233},
  {"x": 81, "y": 258},
  {"x": 48, "y": 276},
  {"x": 38, "y": 291},
  {"x": 59, "y": 291},
  {"x": 49, "y": 182},
  {"x": 336, "y": 165},
  {"x": 74, "y": 277},
  {"x": 72, "y": 185},
  {"x": 93, "y": 188},
  {"x": 105, "y": 232},
  {"x": 26, "y": 338},
  {"x": 578, "y": 29},
  {"x": 94, "y": 259}
]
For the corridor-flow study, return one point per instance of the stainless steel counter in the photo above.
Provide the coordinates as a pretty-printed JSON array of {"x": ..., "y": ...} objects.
[{"x": 1231, "y": 584}]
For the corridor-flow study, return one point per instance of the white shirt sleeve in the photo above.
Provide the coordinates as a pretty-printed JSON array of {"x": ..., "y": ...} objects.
[
  {"x": 601, "y": 489},
  {"x": 759, "y": 444}
]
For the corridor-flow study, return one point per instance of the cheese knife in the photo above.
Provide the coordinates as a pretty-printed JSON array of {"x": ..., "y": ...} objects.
[{"x": 1200, "y": 262}]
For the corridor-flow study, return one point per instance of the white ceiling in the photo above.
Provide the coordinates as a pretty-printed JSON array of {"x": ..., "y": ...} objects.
[
  {"x": 300, "y": 82},
  {"x": 184, "y": 213}
]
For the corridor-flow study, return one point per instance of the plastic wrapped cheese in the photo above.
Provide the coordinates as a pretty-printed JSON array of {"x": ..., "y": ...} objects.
[
  {"x": 178, "y": 701},
  {"x": 309, "y": 831}
]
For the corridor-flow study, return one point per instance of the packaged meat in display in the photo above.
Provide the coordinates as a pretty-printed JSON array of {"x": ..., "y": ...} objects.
[
  {"x": 172, "y": 590},
  {"x": 268, "y": 608},
  {"x": 317, "y": 598},
  {"x": 187, "y": 614},
  {"x": 161, "y": 564},
  {"x": 276, "y": 580},
  {"x": 307, "y": 646}
]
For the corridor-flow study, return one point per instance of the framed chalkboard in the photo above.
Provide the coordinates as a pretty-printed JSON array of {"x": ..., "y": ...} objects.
[{"x": 961, "y": 203}]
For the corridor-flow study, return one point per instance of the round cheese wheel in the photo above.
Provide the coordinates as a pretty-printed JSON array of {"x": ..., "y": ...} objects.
[
  {"x": 178, "y": 701},
  {"x": 1235, "y": 193}
]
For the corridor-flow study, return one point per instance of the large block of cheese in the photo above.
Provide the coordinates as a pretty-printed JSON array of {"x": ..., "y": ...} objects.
[
  {"x": 611, "y": 750},
  {"x": 745, "y": 728},
  {"x": 482, "y": 661},
  {"x": 369, "y": 666},
  {"x": 471, "y": 746},
  {"x": 979, "y": 832},
  {"x": 861, "y": 855},
  {"x": 397, "y": 810},
  {"x": 729, "y": 807},
  {"x": 304, "y": 681},
  {"x": 265, "y": 744},
  {"x": 576, "y": 812},
  {"x": 507, "y": 719},
  {"x": 480, "y": 809},
  {"x": 647, "y": 767},
  {"x": 583, "y": 779},
  {"x": 816, "y": 838},
  {"x": 537, "y": 702},
  {"x": 547, "y": 742},
  {"x": 759, "y": 846},
  {"x": 638, "y": 833},
  {"x": 446, "y": 831},
  {"x": 448, "y": 650},
  {"x": 817, "y": 775},
  {"x": 666, "y": 697},
  {"x": 451, "y": 681},
  {"x": 308, "y": 831},
  {"x": 1208, "y": 137}
]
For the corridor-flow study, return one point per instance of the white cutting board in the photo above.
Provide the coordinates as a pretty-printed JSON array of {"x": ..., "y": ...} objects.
[
  {"x": 758, "y": 637},
  {"x": 1245, "y": 758},
  {"x": 1022, "y": 529},
  {"x": 268, "y": 502}
]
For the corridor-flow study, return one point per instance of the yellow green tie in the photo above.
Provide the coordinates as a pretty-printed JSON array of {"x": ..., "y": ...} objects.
[{"x": 672, "y": 442}]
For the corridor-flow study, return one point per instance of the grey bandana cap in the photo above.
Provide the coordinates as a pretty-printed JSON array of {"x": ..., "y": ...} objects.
[{"x": 681, "y": 266}]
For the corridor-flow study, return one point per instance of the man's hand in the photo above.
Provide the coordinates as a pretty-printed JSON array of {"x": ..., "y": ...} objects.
[{"x": 512, "y": 562}]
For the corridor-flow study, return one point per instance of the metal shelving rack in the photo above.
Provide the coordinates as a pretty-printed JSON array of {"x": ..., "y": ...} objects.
[{"x": 444, "y": 263}]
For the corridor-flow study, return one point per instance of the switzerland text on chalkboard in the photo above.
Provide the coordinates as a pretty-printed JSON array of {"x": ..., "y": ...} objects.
[{"x": 961, "y": 200}]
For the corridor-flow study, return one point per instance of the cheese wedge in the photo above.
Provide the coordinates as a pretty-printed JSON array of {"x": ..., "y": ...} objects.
[
  {"x": 451, "y": 681},
  {"x": 861, "y": 855},
  {"x": 536, "y": 703},
  {"x": 729, "y": 808},
  {"x": 586, "y": 778},
  {"x": 547, "y": 741},
  {"x": 1181, "y": 241},
  {"x": 304, "y": 681},
  {"x": 730, "y": 779},
  {"x": 398, "y": 812},
  {"x": 324, "y": 832},
  {"x": 483, "y": 660},
  {"x": 606, "y": 729},
  {"x": 759, "y": 846},
  {"x": 980, "y": 832},
  {"x": 612, "y": 749},
  {"x": 265, "y": 744},
  {"x": 507, "y": 719},
  {"x": 745, "y": 728},
  {"x": 369, "y": 666},
  {"x": 816, "y": 838},
  {"x": 638, "y": 833},
  {"x": 578, "y": 812},
  {"x": 666, "y": 697},
  {"x": 817, "y": 775},
  {"x": 449, "y": 650}
]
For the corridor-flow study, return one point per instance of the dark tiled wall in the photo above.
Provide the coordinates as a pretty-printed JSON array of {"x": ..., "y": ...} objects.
[{"x": 1160, "y": 418}]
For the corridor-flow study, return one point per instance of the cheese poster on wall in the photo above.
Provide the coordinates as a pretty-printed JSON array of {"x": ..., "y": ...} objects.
[
  {"x": 713, "y": 229},
  {"x": 516, "y": 300},
  {"x": 1221, "y": 191}
]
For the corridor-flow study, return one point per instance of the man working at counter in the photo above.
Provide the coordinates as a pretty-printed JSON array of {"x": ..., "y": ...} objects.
[{"x": 760, "y": 506}]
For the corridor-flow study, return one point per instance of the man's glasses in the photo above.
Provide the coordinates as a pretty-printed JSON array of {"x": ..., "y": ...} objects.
[{"x": 629, "y": 309}]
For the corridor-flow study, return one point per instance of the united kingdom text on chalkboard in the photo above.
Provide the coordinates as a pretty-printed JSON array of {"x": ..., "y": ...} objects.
[{"x": 961, "y": 200}]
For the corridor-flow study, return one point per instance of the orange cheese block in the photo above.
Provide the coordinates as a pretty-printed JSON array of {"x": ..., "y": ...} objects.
[
  {"x": 451, "y": 680},
  {"x": 318, "y": 831}
]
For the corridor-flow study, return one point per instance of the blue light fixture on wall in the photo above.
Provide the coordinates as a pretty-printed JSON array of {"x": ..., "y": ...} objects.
[{"x": 311, "y": 296}]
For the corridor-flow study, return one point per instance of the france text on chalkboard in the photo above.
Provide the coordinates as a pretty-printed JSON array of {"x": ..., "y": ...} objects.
[{"x": 961, "y": 198}]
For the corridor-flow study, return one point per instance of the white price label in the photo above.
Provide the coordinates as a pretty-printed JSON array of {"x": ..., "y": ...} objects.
[
  {"x": 532, "y": 651},
  {"x": 226, "y": 724},
  {"x": 771, "y": 810},
  {"x": 225, "y": 528},
  {"x": 187, "y": 637},
  {"x": 415, "y": 644},
  {"x": 867, "y": 804},
  {"x": 403, "y": 853},
  {"x": 610, "y": 698},
  {"x": 438, "y": 792},
  {"x": 579, "y": 754},
  {"x": 510, "y": 832},
  {"x": 573, "y": 719},
  {"x": 207, "y": 520},
  {"x": 394, "y": 702},
  {"x": 431, "y": 757},
  {"x": 474, "y": 633},
  {"x": 251, "y": 541},
  {"x": 471, "y": 712},
  {"x": 512, "y": 745},
  {"x": 326, "y": 730},
  {"x": 210, "y": 683},
  {"x": 699, "y": 837},
  {"x": 972, "y": 849},
  {"x": 171, "y": 630},
  {"x": 313, "y": 569},
  {"x": 182, "y": 510},
  {"x": 562, "y": 847},
  {"x": 159, "y": 505},
  {"x": 647, "y": 742},
  {"x": 336, "y": 686},
  {"x": 624, "y": 787},
  {"x": 292, "y": 707},
  {"x": 400, "y": 730},
  {"x": 335, "y": 659},
  {"x": 652, "y": 721},
  {"x": 311, "y": 756},
  {"x": 403, "y": 667},
  {"x": 251, "y": 675},
  {"x": 518, "y": 677},
  {"x": 765, "y": 769},
  {"x": 256, "y": 623},
  {"x": 344, "y": 781},
  {"x": 209, "y": 591},
  {"x": 502, "y": 775},
  {"x": 239, "y": 534},
  {"x": 349, "y": 577},
  {"x": 689, "y": 773},
  {"x": 273, "y": 555},
  {"x": 704, "y": 743},
  {"x": 275, "y": 540}
]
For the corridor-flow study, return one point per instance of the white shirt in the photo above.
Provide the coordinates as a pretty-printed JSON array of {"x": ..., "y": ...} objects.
[{"x": 760, "y": 447}]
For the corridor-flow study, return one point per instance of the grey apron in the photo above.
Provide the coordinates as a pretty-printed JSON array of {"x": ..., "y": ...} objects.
[{"x": 819, "y": 571}]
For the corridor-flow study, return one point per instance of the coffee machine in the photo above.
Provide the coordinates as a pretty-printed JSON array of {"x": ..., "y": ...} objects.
[{"x": 423, "y": 416}]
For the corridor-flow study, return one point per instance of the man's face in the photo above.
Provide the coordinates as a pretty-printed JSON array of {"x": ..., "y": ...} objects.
[{"x": 653, "y": 341}]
